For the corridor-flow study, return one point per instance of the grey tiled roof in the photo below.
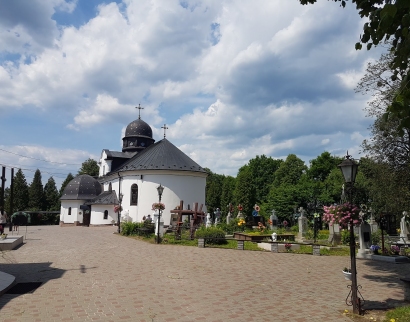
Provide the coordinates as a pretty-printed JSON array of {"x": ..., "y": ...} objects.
[
  {"x": 138, "y": 128},
  {"x": 162, "y": 155},
  {"x": 82, "y": 187},
  {"x": 116, "y": 154},
  {"x": 106, "y": 198}
]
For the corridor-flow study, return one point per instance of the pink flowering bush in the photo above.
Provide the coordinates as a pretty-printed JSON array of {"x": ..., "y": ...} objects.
[{"x": 341, "y": 214}]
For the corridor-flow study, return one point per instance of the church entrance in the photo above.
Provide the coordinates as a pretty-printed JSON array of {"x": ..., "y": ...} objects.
[{"x": 87, "y": 217}]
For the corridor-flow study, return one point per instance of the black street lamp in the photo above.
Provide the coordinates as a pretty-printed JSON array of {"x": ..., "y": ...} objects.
[
  {"x": 160, "y": 190},
  {"x": 349, "y": 170},
  {"x": 119, "y": 213}
]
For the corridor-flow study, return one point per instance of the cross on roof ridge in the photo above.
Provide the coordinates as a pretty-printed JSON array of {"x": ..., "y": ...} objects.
[
  {"x": 139, "y": 110},
  {"x": 165, "y": 128}
]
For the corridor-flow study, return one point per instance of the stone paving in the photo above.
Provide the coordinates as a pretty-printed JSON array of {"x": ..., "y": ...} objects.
[{"x": 91, "y": 274}]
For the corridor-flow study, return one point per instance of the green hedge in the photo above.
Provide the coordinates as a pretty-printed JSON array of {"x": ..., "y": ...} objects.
[{"x": 213, "y": 235}]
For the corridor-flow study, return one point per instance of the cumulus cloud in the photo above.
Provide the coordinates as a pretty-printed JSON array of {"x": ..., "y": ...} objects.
[{"x": 231, "y": 79}]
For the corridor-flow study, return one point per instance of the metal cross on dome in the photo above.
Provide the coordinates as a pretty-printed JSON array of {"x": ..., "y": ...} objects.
[
  {"x": 165, "y": 128},
  {"x": 139, "y": 110}
]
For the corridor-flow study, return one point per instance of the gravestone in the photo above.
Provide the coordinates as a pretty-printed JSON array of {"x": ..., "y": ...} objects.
[
  {"x": 334, "y": 234},
  {"x": 365, "y": 232},
  {"x": 373, "y": 224},
  {"x": 274, "y": 219},
  {"x": 228, "y": 218},
  {"x": 404, "y": 232},
  {"x": 303, "y": 223}
]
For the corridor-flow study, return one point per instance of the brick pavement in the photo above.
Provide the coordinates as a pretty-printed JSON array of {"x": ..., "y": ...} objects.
[{"x": 91, "y": 274}]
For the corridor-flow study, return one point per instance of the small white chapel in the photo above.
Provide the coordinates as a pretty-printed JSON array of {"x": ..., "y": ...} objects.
[{"x": 131, "y": 178}]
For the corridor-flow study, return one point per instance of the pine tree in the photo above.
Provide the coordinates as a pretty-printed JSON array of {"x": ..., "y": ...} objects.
[
  {"x": 65, "y": 183},
  {"x": 20, "y": 192},
  {"x": 51, "y": 196},
  {"x": 36, "y": 192}
]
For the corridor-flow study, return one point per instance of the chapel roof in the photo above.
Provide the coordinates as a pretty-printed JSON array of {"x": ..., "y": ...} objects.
[
  {"x": 82, "y": 187},
  {"x": 162, "y": 155},
  {"x": 105, "y": 198},
  {"x": 117, "y": 154},
  {"x": 138, "y": 128}
]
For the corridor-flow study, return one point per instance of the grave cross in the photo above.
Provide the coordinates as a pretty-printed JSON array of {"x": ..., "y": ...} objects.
[
  {"x": 165, "y": 128},
  {"x": 139, "y": 110}
]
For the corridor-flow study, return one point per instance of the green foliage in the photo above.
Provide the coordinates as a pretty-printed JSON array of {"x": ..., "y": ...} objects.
[
  {"x": 321, "y": 167},
  {"x": 244, "y": 190},
  {"x": 214, "y": 183},
  {"x": 290, "y": 171},
  {"x": 89, "y": 167},
  {"x": 376, "y": 237},
  {"x": 36, "y": 197},
  {"x": 51, "y": 196},
  {"x": 21, "y": 194},
  {"x": 345, "y": 236},
  {"x": 65, "y": 183},
  {"x": 227, "y": 197},
  {"x": 230, "y": 228},
  {"x": 398, "y": 314},
  {"x": 130, "y": 228},
  {"x": 215, "y": 234}
]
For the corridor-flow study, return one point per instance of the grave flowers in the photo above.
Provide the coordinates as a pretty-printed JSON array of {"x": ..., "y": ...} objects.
[
  {"x": 117, "y": 208},
  {"x": 347, "y": 272},
  {"x": 288, "y": 247},
  {"x": 395, "y": 249},
  {"x": 375, "y": 248}
]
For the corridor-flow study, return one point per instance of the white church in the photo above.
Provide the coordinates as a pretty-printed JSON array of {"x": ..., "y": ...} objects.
[{"x": 133, "y": 176}]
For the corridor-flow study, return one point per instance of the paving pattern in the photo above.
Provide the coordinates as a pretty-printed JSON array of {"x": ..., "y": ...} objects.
[{"x": 92, "y": 274}]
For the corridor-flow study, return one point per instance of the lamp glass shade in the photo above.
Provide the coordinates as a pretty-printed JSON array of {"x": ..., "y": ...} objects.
[
  {"x": 160, "y": 189},
  {"x": 349, "y": 170}
]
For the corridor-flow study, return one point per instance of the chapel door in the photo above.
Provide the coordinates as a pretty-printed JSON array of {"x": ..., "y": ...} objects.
[{"x": 86, "y": 218}]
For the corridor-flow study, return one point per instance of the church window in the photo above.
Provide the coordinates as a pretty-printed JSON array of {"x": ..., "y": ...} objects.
[
  {"x": 134, "y": 194},
  {"x": 69, "y": 211},
  {"x": 105, "y": 214}
]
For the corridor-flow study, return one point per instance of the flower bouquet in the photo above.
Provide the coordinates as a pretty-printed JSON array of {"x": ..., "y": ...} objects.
[
  {"x": 347, "y": 272},
  {"x": 375, "y": 248},
  {"x": 395, "y": 249},
  {"x": 117, "y": 208},
  {"x": 288, "y": 247},
  {"x": 342, "y": 215},
  {"x": 158, "y": 206}
]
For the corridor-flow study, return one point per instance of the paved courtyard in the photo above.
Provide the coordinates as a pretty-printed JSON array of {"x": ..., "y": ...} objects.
[{"x": 91, "y": 274}]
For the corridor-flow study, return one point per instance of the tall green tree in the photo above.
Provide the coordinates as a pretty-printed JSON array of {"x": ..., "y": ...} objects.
[
  {"x": 36, "y": 193},
  {"x": 290, "y": 171},
  {"x": 213, "y": 190},
  {"x": 51, "y": 196},
  {"x": 244, "y": 190},
  {"x": 320, "y": 167},
  {"x": 20, "y": 192},
  {"x": 89, "y": 167},
  {"x": 228, "y": 190},
  {"x": 65, "y": 183},
  {"x": 263, "y": 170}
]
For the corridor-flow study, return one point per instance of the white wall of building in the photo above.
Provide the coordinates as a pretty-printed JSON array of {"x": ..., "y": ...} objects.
[
  {"x": 178, "y": 185},
  {"x": 105, "y": 165},
  {"x": 97, "y": 215},
  {"x": 76, "y": 212}
]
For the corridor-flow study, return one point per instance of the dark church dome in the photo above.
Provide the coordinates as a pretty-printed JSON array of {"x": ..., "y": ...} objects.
[
  {"x": 82, "y": 187},
  {"x": 138, "y": 136},
  {"x": 138, "y": 128}
]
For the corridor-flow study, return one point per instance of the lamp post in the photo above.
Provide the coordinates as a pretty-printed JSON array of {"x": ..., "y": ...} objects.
[
  {"x": 160, "y": 190},
  {"x": 119, "y": 213},
  {"x": 349, "y": 170}
]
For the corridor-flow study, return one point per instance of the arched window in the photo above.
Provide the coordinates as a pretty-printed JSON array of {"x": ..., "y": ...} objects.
[
  {"x": 105, "y": 214},
  {"x": 69, "y": 211},
  {"x": 134, "y": 194}
]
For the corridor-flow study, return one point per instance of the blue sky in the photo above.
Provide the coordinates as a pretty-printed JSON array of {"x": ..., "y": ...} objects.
[{"x": 231, "y": 79}]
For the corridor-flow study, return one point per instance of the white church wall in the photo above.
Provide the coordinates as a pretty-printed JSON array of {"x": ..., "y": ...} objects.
[
  {"x": 76, "y": 212},
  {"x": 178, "y": 185},
  {"x": 97, "y": 215},
  {"x": 105, "y": 165}
]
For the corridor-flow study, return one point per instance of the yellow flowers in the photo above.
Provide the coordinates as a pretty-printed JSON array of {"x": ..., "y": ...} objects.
[
  {"x": 392, "y": 320},
  {"x": 241, "y": 222},
  {"x": 398, "y": 231}
]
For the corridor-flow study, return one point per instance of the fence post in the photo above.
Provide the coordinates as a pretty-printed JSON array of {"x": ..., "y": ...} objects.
[
  {"x": 241, "y": 245},
  {"x": 274, "y": 248},
  {"x": 201, "y": 242},
  {"x": 316, "y": 250}
]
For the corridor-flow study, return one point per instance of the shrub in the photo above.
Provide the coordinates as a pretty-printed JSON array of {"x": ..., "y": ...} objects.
[
  {"x": 129, "y": 228},
  {"x": 214, "y": 235},
  {"x": 345, "y": 236},
  {"x": 376, "y": 237}
]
